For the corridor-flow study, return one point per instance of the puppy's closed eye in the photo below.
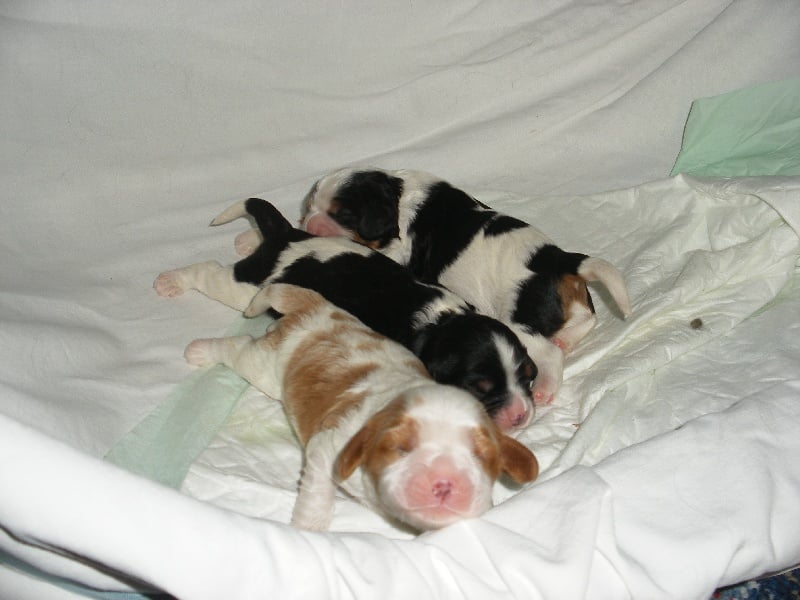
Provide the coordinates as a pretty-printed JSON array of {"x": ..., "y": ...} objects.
[{"x": 484, "y": 385}]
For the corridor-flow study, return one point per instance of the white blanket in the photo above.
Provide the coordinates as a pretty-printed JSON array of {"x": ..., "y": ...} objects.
[{"x": 670, "y": 456}]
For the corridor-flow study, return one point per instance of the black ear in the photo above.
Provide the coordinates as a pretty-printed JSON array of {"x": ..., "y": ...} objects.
[
  {"x": 433, "y": 346},
  {"x": 379, "y": 220},
  {"x": 371, "y": 199}
]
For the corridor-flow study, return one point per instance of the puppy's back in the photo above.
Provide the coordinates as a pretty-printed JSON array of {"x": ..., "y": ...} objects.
[{"x": 333, "y": 362}]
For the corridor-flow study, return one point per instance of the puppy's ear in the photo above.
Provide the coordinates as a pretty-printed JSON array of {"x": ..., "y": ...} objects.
[
  {"x": 352, "y": 455},
  {"x": 517, "y": 460},
  {"x": 375, "y": 198},
  {"x": 378, "y": 222}
]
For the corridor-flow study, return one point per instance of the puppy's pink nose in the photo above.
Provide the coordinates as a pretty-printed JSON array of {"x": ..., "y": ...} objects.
[
  {"x": 520, "y": 419},
  {"x": 442, "y": 488}
]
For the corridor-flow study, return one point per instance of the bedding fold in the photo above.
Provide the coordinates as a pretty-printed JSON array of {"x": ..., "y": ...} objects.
[
  {"x": 669, "y": 460},
  {"x": 581, "y": 532}
]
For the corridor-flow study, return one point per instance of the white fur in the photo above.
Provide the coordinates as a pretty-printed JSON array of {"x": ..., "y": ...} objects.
[
  {"x": 489, "y": 271},
  {"x": 209, "y": 278},
  {"x": 217, "y": 282},
  {"x": 445, "y": 415}
]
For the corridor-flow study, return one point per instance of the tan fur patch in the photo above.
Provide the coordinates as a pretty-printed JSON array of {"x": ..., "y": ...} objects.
[
  {"x": 486, "y": 449},
  {"x": 295, "y": 303},
  {"x": 340, "y": 315},
  {"x": 498, "y": 453},
  {"x": 419, "y": 367},
  {"x": 317, "y": 382},
  {"x": 372, "y": 244},
  {"x": 572, "y": 288},
  {"x": 395, "y": 434},
  {"x": 518, "y": 461},
  {"x": 294, "y": 299}
]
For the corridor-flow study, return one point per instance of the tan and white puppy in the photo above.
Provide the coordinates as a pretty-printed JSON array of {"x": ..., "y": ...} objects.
[{"x": 370, "y": 417}]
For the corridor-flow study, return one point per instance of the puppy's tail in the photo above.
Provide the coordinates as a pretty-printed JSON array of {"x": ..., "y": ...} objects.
[
  {"x": 597, "y": 269},
  {"x": 269, "y": 220},
  {"x": 231, "y": 213}
]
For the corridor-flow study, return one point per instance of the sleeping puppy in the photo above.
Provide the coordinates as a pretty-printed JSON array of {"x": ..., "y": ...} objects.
[
  {"x": 504, "y": 267},
  {"x": 426, "y": 454},
  {"x": 457, "y": 345}
]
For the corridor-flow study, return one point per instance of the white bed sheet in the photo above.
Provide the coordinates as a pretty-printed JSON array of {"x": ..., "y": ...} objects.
[{"x": 127, "y": 127}]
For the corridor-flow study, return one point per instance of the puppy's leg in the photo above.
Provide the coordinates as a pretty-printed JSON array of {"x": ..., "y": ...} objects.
[
  {"x": 247, "y": 242},
  {"x": 252, "y": 359},
  {"x": 549, "y": 360},
  {"x": 209, "y": 278},
  {"x": 574, "y": 330},
  {"x": 314, "y": 506},
  {"x": 285, "y": 299},
  {"x": 259, "y": 303},
  {"x": 207, "y": 352}
]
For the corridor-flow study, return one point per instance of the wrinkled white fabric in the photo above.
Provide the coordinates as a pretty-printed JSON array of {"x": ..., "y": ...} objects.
[{"x": 126, "y": 128}]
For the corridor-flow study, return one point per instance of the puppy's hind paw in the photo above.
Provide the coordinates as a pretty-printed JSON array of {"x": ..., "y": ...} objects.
[
  {"x": 247, "y": 242},
  {"x": 169, "y": 284},
  {"x": 199, "y": 354},
  {"x": 259, "y": 304}
]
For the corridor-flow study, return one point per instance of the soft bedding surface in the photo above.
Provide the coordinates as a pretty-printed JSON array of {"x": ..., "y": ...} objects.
[{"x": 669, "y": 458}]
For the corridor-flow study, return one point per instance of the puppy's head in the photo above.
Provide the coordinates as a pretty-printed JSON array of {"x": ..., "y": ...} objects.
[
  {"x": 555, "y": 300},
  {"x": 359, "y": 204},
  {"x": 432, "y": 455},
  {"x": 483, "y": 356}
]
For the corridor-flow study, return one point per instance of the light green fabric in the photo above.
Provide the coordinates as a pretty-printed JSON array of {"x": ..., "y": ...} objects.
[
  {"x": 167, "y": 441},
  {"x": 753, "y": 131}
]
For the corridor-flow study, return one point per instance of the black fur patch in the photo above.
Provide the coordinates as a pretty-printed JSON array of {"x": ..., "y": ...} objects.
[
  {"x": 367, "y": 204},
  {"x": 552, "y": 259},
  {"x": 539, "y": 306},
  {"x": 455, "y": 351},
  {"x": 274, "y": 227},
  {"x": 381, "y": 293},
  {"x": 459, "y": 349},
  {"x": 503, "y": 224},
  {"x": 442, "y": 228}
]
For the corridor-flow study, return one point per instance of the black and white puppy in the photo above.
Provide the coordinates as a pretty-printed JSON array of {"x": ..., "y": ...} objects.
[
  {"x": 457, "y": 345},
  {"x": 503, "y": 266}
]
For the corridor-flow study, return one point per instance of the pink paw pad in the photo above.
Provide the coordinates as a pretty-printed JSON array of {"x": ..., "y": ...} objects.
[
  {"x": 198, "y": 353},
  {"x": 168, "y": 285},
  {"x": 247, "y": 242},
  {"x": 542, "y": 398}
]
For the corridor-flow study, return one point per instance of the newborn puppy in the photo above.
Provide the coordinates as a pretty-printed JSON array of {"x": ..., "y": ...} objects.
[
  {"x": 504, "y": 267},
  {"x": 426, "y": 454},
  {"x": 458, "y": 346}
]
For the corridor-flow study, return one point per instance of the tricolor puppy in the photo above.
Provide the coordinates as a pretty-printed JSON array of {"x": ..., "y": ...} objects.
[
  {"x": 457, "y": 345},
  {"x": 504, "y": 267},
  {"x": 369, "y": 417}
]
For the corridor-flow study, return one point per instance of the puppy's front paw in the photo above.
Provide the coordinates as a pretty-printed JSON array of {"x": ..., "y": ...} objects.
[
  {"x": 247, "y": 242},
  {"x": 544, "y": 390},
  {"x": 198, "y": 353},
  {"x": 312, "y": 522},
  {"x": 169, "y": 284}
]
